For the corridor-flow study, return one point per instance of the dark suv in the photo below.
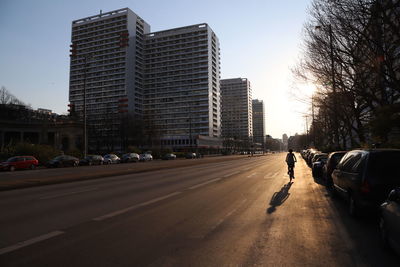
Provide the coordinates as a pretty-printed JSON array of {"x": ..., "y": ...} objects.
[{"x": 365, "y": 177}]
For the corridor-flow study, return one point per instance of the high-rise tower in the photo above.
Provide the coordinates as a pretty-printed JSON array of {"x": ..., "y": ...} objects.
[
  {"x": 106, "y": 71},
  {"x": 258, "y": 122},
  {"x": 237, "y": 118},
  {"x": 182, "y": 90}
]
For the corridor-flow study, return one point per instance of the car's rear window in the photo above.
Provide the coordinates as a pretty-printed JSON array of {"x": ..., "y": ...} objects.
[
  {"x": 13, "y": 159},
  {"x": 337, "y": 157},
  {"x": 384, "y": 166}
]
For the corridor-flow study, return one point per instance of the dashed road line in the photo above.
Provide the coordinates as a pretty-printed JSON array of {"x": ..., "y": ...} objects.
[
  {"x": 30, "y": 242},
  {"x": 68, "y": 193},
  {"x": 122, "y": 211},
  {"x": 251, "y": 175},
  {"x": 205, "y": 183},
  {"x": 230, "y": 174}
]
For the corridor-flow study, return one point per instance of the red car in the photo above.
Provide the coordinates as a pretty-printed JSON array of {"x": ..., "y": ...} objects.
[{"x": 19, "y": 162}]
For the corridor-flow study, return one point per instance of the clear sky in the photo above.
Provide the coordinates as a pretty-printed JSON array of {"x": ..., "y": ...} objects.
[{"x": 259, "y": 39}]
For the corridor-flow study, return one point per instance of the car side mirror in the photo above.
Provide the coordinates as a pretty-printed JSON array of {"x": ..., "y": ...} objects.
[{"x": 394, "y": 195}]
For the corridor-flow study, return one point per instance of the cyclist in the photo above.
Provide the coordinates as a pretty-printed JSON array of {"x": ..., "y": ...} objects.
[{"x": 290, "y": 160}]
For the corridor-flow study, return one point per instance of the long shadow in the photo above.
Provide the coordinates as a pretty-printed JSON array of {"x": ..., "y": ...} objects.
[
  {"x": 279, "y": 197},
  {"x": 363, "y": 231}
]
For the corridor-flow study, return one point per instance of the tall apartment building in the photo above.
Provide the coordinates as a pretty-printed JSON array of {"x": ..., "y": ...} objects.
[
  {"x": 181, "y": 85},
  {"x": 236, "y": 111},
  {"x": 107, "y": 63},
  {"x": 169, "y": 78},
  {"x": 258, "y": 122}
]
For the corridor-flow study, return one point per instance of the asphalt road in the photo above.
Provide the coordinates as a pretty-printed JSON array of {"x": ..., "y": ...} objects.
[{"x": 239, "y": 212}]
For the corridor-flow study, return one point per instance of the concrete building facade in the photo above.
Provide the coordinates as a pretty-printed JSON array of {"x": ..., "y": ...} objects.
[
  {"x": 258, "y": 122},
  {"x": 182, "y": 92},
  {"x": 107, "y": 63},
  {"x": 169, "y": 79},
  {"x": 236, "y": 111}
]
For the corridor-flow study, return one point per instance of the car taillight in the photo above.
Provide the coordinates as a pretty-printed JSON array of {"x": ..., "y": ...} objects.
[{"x": 365, "y": 187}]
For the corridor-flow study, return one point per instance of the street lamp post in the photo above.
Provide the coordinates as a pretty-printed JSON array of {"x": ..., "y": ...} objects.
[
  {"x": 74, "y": 54},
  {"x": 84, "y": 109}
]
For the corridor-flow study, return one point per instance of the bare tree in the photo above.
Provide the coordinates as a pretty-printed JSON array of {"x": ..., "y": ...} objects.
[
  {"x": 7, "y": 98},
  {"x": 351, "y": 53}
]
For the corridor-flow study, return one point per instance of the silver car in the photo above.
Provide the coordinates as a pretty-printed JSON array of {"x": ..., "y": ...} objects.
[
  {"x": 146, "y": 157},
  {"x": 111, "y": 159}
]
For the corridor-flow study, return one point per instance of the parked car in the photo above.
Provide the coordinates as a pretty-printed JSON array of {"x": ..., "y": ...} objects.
[
  {"x": 318, "y": 165},
  {"x": 92, "y": 160},
  {"x": 310, "y": 156},
  {"x": 389, "y": 223},
  {"x": 317, "y": 156},
  {"x": 146, "y": 157},
  {"x": 19, "y": 162},
  {"x": 111, "y": 159},
  {"x": 191, "y": 155},
  {"x": 365, "y": 177},
  {"x": 130, "y": 157},
  {"x": 63, "y": 161},
  {"x": 331, "y": 163},
  {"x": 169, "y": 156}
]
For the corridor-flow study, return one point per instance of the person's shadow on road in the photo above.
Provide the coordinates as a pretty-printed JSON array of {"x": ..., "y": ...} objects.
[{"x": 279, "y": 197}]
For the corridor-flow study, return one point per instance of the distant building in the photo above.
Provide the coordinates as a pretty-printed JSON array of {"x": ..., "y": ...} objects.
[
  {"x": 21, "y": 124},
  {"x": 258, "y": 122},
  {"x": 236, "y": 111},
  {"x": 44, "y": 111},
  {"x": 285, "y": 140}
]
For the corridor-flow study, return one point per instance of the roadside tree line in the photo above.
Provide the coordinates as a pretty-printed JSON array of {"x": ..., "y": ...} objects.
[{"x": 352, "y": 55}]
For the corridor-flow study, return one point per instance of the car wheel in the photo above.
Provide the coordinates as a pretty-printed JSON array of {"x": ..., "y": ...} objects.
[
  {"x": 32, "y": 167},
  {"x": 75, "y": 164},
  {"x": 353, "y": 210},
  {"x": 11, "y": 168}
]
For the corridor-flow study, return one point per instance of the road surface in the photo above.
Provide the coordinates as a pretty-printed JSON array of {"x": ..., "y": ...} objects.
[{"x": 239, "y": 212}]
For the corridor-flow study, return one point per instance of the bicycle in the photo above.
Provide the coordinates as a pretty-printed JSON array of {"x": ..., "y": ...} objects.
[{"x": 291, "y": 172}]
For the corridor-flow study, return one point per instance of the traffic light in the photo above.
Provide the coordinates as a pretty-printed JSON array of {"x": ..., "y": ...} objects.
[
  {"x": 71, "y": 109},
  {"x": 73, "y": 50}
]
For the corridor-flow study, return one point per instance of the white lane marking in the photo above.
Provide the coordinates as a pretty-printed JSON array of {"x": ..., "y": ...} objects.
[
  {"x": 30, "y": 242},
  {"x": 69, "y": 193},
  {"x": 230, "y": 174},
  {"x": 246, "y": 169},
  {"x": 119, "y": 212},
  {"x": 251, "y": 175},
  {"x": 205, "y": 183}
]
